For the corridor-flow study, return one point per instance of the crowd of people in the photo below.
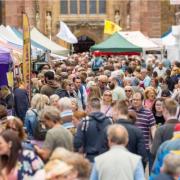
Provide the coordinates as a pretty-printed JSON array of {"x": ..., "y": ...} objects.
[{"x": 93, "y": 117}]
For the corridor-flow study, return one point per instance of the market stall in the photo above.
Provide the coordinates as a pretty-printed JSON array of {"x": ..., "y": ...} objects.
[{"x": 117, "y": 45}]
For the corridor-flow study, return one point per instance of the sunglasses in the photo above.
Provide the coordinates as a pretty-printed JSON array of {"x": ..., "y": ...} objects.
[
  {"x": 127, "y": 90},
  {"x": 107, "y": 94}
]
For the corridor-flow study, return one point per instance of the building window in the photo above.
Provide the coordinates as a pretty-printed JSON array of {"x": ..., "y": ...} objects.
[
  {"x": 102, "y": 6},
  {"x": 73, "y": 7},
  {"x": 92, "y": 6},
  {"x": 83, "y": 6},
  {"x": 64, "y": 6}
]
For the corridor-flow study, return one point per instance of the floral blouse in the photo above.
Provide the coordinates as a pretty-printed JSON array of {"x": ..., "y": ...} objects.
[{"x": 28, "y": 164}]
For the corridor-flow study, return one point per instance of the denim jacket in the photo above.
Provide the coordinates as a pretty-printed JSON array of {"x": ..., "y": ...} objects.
[{"x": 30, "y": 122}]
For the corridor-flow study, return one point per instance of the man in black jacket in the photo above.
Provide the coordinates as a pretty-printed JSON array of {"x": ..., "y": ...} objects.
[
  {"x": 91, "y": 132},
  {"x": 136, "y": 143}
]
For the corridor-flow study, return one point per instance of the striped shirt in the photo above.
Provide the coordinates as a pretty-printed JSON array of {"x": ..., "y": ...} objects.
[{"x": 144, "y": 121}]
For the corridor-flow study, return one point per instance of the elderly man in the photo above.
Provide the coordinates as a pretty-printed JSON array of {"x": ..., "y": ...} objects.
[
  {"x": 118, "y": 162},
  {"x": 57, "y": 135},
  {"x": 102, "y": 83}
]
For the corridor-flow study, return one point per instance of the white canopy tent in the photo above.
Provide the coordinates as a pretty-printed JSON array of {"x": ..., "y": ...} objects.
[
  {"x": 46, "y": 42},
  {"x": 9, "y": 37},
  {"x": 138, "y": 39}
]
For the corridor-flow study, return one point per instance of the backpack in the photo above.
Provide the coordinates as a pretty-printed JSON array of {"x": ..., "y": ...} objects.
[
  {"x": 40, "y": 130},
  {"x": 82, "y": 98},
  {"x": 96, "y": 64}
]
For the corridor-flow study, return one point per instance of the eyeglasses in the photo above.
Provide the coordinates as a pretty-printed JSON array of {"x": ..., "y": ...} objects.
[
  {"x": 136, "y": 99},
  {"x": 127, "y": 90},
  {"x": 107, "y": 94}
]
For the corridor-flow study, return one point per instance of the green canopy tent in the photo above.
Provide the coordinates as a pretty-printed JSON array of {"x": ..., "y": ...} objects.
[{"x": 116, "y": 44}]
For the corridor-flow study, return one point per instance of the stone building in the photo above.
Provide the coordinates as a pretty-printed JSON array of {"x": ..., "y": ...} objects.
[{"x": 86, "y": 17}]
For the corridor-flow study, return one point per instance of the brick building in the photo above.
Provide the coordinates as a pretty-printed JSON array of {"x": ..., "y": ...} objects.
[{"x": 86, "y": 17}]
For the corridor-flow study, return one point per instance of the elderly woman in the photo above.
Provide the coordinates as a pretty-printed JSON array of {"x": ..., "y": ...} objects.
[
  {"x": 38, "y": 103},
  {"x": 150, "y": 96}
]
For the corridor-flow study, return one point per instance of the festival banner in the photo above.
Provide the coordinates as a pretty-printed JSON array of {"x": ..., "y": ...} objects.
[{"x": 26, "y": 54}]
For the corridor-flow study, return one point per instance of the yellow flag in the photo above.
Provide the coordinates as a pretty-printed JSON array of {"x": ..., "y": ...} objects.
[
  {"x": 10, "y": 78},
  {"x": 110, "y": 27},
  {"x": 26, "y": 54}
]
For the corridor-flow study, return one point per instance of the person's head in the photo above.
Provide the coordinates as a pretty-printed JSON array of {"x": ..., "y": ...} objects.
[
  {"x": 171, "y": 165},
  {"x": 74, "y": 104},
  {"x": 160, "y": 65},
  {"x": 79, "y": 163},
  {"x": 107, "y": 97},
  {"x": 10, "y": 145},
  {"x": 158, "y": 106},
  {"x": 120, "y": 110},
  {"x": 39, "y": 101},
  {"x": 150, "y": 93},
  {"x": 56, "y": 169},
  {"x": 49, "y": 75},
  {"x": 66, "y": 84},
  {"x": 3, "y": 112},
  {"x": 54, "y": 100},
  {"x": 165, "y": 93},
  {"x": 50, "y": 116},
  {"x": 77, "y": 82},
  {"x": 143, "y": 73},
  {"x": 129, "y": 91},
  {"x": 117, "y": 135},
  {"x": 94, "y": 91},
  {"x": 154, "y": 82},
  {"x": 16, "y": 125},
  {"x": 112, "y": 82},
  {"x": 4, "y": 92},
  {"x": 170, "y": 108},
  {"x": 77, "y": 116},
  {"x": 137, "y": 100},
  {"x": 94, "y": 105},
  {"x": 65, "y": 104},
  {"x": 102, "y": 81}
]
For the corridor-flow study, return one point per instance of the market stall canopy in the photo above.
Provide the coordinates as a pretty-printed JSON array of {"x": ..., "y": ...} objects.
[
  {"x": 138, "y": 39},
  {"x": 39, "y": 38},
  {"x": 20, "y": 36},
  {"x": 116, "y": 44},
  {"x": 168, "y": 39},
  {"x": 7, "y": 36},
  {"x": 5, "y": 56}
]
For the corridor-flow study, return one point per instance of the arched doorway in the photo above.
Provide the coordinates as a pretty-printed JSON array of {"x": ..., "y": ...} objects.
[{"x": 84, "y": 43}]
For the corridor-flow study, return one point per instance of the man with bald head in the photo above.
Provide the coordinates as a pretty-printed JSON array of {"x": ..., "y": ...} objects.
[{"x": 118, "y": 162}]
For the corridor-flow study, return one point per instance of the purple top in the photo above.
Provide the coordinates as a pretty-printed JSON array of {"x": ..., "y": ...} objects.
[{"x": 145, "y": 120}]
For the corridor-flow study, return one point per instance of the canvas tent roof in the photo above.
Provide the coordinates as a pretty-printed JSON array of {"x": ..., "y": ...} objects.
[
  {"x": 39, "y": 38},
  {"x": 5, "y": 56},
  {"x": 20, "y": 36},
  {"x": 168, "y": 39},
  {"x": 116, "y": 43},
  {"x": 138, "y": 39},
  {"x": 7, "y": 36}
]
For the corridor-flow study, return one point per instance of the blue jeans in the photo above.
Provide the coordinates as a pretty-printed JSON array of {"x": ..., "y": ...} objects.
[{"x": 150, "y": 160}]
